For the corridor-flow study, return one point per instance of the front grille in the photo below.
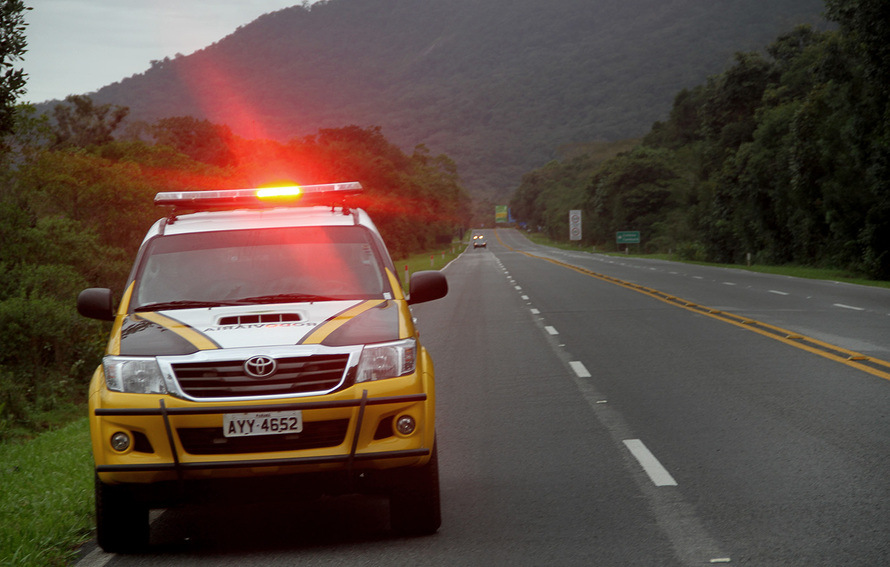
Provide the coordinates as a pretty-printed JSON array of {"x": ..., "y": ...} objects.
[
  {"x": 227, "y": 379},
  {"x": 211, "y": 441}
]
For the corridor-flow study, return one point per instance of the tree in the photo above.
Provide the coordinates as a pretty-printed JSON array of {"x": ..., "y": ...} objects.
[
  {"x": 867, "y": 24},
  {"x": 547, "y": 194},
  {"x": 112, "y": 198},
  {"x": 866, "y": 27},
  {"x": 201, "y": 140},
  {"x": 82, "y": 124},
  {"x": 633, "y": 192},
  {"x": 45, "y": 348},
  {"x": 728, "y": 112},
  {"x": 12, "y": 47},
  {"x": 684, "y": 124}
]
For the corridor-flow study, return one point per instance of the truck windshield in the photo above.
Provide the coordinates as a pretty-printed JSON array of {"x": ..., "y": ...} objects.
[{"x": 259, "y": 266}]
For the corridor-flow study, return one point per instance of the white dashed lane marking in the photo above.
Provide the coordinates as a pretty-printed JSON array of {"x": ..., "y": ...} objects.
[
  {"x": 579, "y": 368},
  {"x": 657, "y": 473}
]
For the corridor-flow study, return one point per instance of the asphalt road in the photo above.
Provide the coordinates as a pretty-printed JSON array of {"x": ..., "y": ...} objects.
[{"x": 584, "y": 420}]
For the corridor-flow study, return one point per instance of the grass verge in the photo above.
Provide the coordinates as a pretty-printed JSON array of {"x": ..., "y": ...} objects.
[
  {"x": 428, "y": 261},
  {"x": 46, "y": 499}
]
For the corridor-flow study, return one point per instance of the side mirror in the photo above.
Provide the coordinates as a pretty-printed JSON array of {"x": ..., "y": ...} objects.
[
  {"x": 427, "y": 286},
  {"x": 95, "y": 303}
]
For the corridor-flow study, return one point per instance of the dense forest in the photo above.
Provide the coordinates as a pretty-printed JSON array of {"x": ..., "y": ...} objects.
[
  {"x": 76, "y": 197},
  {"x": 497, "y": 85},
  {"x": 784, "y": 156}
]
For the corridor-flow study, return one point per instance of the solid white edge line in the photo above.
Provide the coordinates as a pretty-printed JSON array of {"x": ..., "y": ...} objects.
[
  {"x": 659, "y": 475},
  {"x": 579, "y": 368}
]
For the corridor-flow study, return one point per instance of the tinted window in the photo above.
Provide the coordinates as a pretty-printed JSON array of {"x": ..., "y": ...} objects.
[{"x": 335, "y": 262}]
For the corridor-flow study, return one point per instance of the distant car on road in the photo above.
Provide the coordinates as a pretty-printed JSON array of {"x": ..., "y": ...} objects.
[{"x": 479, "y": 240}]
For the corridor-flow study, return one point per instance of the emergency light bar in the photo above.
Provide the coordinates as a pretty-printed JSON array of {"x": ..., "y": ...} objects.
[{"x": 295, "y": 194}]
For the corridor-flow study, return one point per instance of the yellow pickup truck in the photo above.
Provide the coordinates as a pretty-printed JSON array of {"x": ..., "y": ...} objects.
[{"x": 263, "y": 345}]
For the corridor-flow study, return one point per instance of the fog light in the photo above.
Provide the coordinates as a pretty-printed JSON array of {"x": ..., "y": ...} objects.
[
  {"x": 120, "y": 441},
  {"x": 406, "y": 425}
]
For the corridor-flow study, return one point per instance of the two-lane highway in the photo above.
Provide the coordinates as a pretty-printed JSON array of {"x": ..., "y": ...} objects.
[
  {"x": 853, "y": 317},
  {"x": 780, "y": 452},
  {"x": 586, "y": 421}
]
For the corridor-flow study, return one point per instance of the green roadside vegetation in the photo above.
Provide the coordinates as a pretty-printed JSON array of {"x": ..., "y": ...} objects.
[
  {"x": 46, "y": 500},
  {"x": 784, "y": 158},
  {"x": 435, "y": 259}
]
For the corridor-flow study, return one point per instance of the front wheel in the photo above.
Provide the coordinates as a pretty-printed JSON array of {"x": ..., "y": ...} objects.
[
  {"x": 121, "y": 520},
  {"x": 414, "y": 501}
]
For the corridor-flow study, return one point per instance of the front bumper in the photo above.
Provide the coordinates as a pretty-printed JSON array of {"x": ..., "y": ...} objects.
[
  {"x": 163, "y": 451},
  {"x": 179, "y": 467}
]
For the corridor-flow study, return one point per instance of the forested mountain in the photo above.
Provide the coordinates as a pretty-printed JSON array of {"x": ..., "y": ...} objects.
[
  {"x": 784, "y": 158},
  {"x": 498, "y": 85}
]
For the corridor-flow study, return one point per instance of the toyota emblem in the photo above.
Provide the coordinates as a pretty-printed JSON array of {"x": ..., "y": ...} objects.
[{"x": 260, "y": 366}]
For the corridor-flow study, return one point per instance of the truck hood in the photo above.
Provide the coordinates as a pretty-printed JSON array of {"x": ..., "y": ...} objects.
[{"x": 184, "y": 331}]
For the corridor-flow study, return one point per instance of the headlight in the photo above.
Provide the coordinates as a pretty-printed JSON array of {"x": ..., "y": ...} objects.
[
  {"x": 387, "y": 361},
  {"x": 133, "y": 375}
]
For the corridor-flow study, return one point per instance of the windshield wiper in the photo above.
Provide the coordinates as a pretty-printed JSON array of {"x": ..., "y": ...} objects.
[
  {"x": 184, "y": 304},
  {"x": 285, "y": 298}
]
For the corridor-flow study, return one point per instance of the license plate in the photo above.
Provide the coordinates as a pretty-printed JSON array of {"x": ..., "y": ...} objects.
[{"x": 262, "y": 423}]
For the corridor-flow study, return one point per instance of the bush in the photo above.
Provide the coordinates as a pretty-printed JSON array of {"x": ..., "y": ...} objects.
[
  {"x": 47, "y": 351},
  {"x": 692, "y": 251}
]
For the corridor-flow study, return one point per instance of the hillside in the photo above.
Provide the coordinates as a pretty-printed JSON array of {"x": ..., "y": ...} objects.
[{"x": 498, "y": 85}]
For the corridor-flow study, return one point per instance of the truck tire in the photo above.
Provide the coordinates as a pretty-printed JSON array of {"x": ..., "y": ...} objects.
[
  {"x": 121, "y": 520},
  {"x": 414, "y": 504}
]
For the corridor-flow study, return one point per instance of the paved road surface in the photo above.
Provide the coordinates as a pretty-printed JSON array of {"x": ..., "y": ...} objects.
[{"x": 585, "y": 421}]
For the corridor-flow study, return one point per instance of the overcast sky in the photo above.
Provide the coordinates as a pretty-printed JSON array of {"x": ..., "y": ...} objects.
[{"x": 79, "y": 46}]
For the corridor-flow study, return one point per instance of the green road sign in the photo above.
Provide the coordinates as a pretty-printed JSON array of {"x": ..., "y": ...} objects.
[{"x": 628, "y": 237}]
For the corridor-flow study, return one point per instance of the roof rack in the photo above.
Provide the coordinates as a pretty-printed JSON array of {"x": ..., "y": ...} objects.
[{"x": 294, "y": 195}]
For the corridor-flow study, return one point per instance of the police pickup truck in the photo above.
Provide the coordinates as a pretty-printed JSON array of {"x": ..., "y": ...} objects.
[{"x": 263, "y": 346}]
